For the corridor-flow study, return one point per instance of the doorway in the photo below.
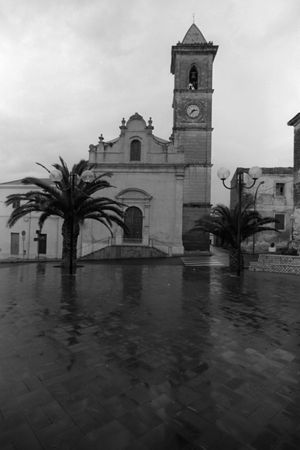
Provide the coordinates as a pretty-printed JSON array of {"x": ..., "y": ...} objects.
[
  {"x": 134, "y": 222},
  {"x": 14, "y": 243}
]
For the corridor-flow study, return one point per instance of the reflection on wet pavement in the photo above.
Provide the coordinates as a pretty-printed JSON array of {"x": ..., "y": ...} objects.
[{"x": 144, "y": 356}]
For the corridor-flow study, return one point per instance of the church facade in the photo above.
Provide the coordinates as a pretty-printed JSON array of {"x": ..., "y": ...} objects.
[{"x": 164, "y": 185}]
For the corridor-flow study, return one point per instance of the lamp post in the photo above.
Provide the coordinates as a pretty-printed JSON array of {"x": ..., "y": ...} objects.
[
  {"x": 223, "y": 174},
  {"x": 292, "y": 221},
  {"x": 254, "y": 208},
  {"x": 56, "y": 176},
  {"x": 23, "y": 240}
]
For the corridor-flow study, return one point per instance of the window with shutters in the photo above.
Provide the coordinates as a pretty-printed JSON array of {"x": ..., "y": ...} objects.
[
  {"x": 280, "y": 222},
  {"x": 279, "y": 189}
]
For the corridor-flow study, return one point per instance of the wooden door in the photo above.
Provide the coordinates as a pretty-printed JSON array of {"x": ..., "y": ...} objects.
[
  {"x": 14, "y": 243},
  {"x": 134, "y": 222}
]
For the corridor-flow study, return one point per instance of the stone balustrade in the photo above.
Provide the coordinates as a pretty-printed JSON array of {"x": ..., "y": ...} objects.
[{"x": 276, "y": 263}]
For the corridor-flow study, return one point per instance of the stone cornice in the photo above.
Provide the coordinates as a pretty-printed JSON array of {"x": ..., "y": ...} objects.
[
  {"x": 198, "y": 164},
  {"x": 197, "y": 205},
  {"x": 139, "y": 167},
  {"x": 126, "y": 167},
  {"x": 295, "y": 120},
  {"x": 195, "y": 91},
  {"x": 197, "y": 127}
]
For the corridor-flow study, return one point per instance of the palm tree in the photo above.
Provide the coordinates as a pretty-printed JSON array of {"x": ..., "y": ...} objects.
[
  {"x": 70, "y": 198},
  {"x": 223, "y": 223}
]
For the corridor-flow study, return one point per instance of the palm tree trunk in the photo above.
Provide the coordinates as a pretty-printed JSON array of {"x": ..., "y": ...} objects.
[
  {"x": 234, "y": 260},
  {"x": 70, "y": 233}
]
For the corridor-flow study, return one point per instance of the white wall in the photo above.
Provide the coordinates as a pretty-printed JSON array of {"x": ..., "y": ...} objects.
[{"x": 29, "y": 225}]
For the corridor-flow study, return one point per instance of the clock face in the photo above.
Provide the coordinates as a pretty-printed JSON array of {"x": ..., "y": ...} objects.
[{"x": 193, "y": 111}]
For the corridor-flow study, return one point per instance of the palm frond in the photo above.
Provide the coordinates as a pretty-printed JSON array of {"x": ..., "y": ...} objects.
[
  {"x": 18, "y": 213},
  {"x": 80, "y": 166},
  {"x": 44, "y": 167},
  {"x": 42, "y": 219}
]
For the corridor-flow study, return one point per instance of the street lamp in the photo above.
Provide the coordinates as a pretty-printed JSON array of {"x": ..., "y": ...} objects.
[
  {"x": 292, "y": 221},
  {"x": 254, "y": 209},
  {"x": 56, "y": 176},
  {"x": 223, "y": 174}
]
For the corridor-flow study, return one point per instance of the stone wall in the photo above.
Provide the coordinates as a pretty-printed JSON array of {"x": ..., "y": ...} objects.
[{"x": 194, "y": 240}]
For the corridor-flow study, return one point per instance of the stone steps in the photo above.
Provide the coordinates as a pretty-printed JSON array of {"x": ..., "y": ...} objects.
[
  {"x": 125, "y": 252},
  {"x": 201, "y": 262},
  {"x": 276, "y": 263}
]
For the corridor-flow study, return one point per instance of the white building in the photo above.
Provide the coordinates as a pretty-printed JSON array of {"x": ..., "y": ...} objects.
[
  {"x": 272, "y": 196},
  {"x": 20, "y": 241},
  {"x": 295, "y": 123}
]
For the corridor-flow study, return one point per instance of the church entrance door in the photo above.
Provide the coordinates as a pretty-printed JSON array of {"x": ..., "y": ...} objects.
[{"x": 134, "y": 221}]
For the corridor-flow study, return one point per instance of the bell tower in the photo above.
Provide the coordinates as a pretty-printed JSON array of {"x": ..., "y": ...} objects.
[{"x": 192, "y": 67}]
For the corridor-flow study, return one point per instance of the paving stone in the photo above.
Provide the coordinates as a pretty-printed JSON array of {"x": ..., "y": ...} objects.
[
  {"x": 265, "y": 441},
  {"x": 25, "y": 439},
  {"x": 8, "y": 447},
  {"x": 112, "y": 436},
  {"x": 163, "y": 437},
  {"x": 118, "y": 405},
  {"x": 133, "y": 422}
]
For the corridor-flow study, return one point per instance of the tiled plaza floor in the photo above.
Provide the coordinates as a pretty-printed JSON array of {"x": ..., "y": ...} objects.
[{"x": 142, "y": 357}]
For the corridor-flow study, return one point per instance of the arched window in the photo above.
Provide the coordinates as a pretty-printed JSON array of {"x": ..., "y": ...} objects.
[
  {"x": 133, "y": 219},
  {"x": 135, "y": 150},
  {"x": 193, "y": 78}
]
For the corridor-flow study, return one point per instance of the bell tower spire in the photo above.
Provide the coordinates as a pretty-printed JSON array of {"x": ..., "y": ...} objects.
[{"x": 192, "y": 65}]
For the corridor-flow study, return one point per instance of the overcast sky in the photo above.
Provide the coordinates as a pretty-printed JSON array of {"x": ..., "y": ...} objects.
[{"x": 71, "y": 69}]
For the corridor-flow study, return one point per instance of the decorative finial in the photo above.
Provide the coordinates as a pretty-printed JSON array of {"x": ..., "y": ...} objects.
[
  {"x": 150, "y": 127},
  {"x": 193, "y": 17},
  {"x": 123, "y": 126},
  {"x": 101, "y": 138}
]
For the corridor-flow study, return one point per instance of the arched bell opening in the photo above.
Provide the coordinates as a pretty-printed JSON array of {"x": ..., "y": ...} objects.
[{"x": 193, "y": 78}]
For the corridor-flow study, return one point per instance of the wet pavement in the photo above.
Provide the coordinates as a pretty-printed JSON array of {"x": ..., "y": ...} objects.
[{"x": 140, "y": 357}]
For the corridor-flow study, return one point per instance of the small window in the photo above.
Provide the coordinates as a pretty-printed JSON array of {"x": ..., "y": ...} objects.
[
  {"x": 16, "y": 204},
  {"x": 193, "y": 78},
  {"x": 279, "y": 189},
  {"x": 280, "y": 222},
  {"x": 135, "y": 150}
]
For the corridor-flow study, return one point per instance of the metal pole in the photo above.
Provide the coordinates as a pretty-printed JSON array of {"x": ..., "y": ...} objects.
[
  {"x": 254, "y": 208},
  {"x": 71, "y": 225},
  {"x": 240, "y": 187}
]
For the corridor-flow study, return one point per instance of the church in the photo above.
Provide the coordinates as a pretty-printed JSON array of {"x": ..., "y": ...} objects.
[{"x": 164, "y": 184}]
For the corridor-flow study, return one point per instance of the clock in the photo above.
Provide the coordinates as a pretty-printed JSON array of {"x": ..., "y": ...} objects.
[{"x": 193, "y": 111}]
